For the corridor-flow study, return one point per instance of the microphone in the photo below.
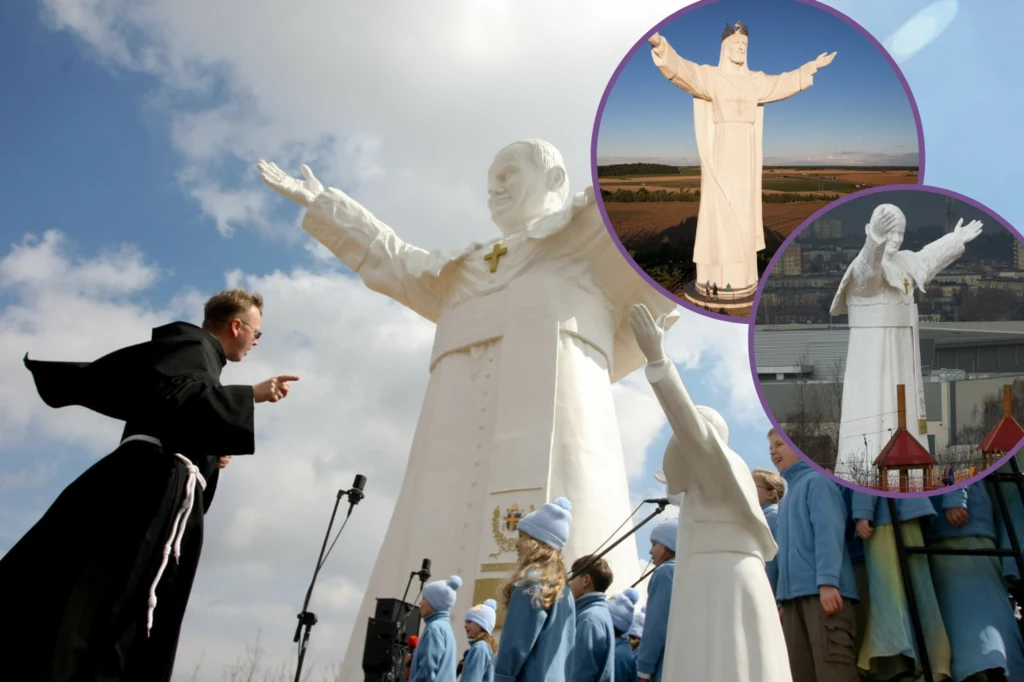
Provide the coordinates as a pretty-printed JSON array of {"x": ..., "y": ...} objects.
[
  {"x": 659, "y": 500},
  {"x": 355, "y": 493},
  {"x": 424, "y": 572}
]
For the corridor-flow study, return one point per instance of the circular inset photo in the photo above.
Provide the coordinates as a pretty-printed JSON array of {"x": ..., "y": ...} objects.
[
  {"x": 888, "y": 340},
  {"x": 729, "y": 124}
]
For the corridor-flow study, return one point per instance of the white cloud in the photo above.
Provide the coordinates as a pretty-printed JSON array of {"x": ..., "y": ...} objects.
[
  {"x": 363, "y": 363},
  {"x": 402, "y": 103}
]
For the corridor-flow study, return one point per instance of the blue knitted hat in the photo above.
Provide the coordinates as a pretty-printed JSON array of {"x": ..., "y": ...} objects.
[
  {"x": 637, "y": 628},
  {"x": 621, "y": 607},
  {"x": 665, "y": 533},
  {"x": 441, "y": 594},
  {"x": 484, "y": 615},
  {"x": 549, "y": 524}
]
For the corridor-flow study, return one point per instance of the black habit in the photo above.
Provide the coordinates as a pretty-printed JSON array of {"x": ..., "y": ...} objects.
[{"x": 74, "y": 590}]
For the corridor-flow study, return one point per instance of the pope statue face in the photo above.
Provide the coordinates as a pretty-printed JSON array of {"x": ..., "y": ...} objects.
[
  {"x": 520, "y": 190},
  {"x": 894, "y": 237}
]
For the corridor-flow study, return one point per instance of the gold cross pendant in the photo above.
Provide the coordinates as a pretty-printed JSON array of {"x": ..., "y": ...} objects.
[
  {"x": 906, "y": 286},
  {"x": 494, "y": 255}
]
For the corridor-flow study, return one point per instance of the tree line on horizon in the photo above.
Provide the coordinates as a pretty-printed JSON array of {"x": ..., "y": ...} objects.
[
  {"x": 638, "y": 169},
  {"x": 643, "y": 195}
]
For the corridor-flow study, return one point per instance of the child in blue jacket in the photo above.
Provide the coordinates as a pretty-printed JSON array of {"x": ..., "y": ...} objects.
[
  {"x": 540, "y": 624},
  {"x": 478, "y": 664},
  {"x": 622, "y": 607},
  {"x": 816, "y": 585},
  {"x": 434, "y": 660},
  {"x": 770, "y": 490},
  {"x": 593, "y": 656},
  {"x": 650, "y": 655},
  {"x": 976, "y": 610}
]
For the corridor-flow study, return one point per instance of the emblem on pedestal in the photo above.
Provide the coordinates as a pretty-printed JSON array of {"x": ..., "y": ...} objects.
[{"x": 503, "y": 528}]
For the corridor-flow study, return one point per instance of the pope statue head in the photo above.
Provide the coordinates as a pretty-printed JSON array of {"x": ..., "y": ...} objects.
[
  {"x": 526, "y": 181},
  {"x": 895, "y": 226}
]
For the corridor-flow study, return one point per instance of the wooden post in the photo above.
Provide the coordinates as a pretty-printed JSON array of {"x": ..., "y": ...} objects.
[
  {"x": 904, "y": 481},
  {"x": 901, "y": 405}
]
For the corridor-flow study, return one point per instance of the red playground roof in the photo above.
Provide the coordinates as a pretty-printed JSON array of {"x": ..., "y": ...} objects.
[
  {"x": 1003, "y": 438},
  {"x": 903, "y": 451}
]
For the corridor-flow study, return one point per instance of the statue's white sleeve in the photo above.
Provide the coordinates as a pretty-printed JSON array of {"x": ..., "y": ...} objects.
[
  {"x": 936, "y": 257},
  {"x": 684, "y": 74},
  {"x": 867, "y": 266},
  {"x": 705, "y": 460},
  {"x": 386, "y": 264}
]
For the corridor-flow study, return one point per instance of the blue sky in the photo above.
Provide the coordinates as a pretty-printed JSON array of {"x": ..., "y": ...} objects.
[
  {"x": 855, "y": 111},
  {"x": 142, "y": 129}
]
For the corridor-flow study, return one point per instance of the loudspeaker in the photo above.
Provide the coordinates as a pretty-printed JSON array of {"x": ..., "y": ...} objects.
[{"x": 381, "y": 640}]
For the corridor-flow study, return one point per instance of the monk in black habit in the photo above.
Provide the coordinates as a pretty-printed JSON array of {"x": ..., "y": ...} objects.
[{"x": 97, "y": 589}]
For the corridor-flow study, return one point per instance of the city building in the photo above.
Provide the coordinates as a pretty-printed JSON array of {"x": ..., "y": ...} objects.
[{"x": 792, "y": 260}]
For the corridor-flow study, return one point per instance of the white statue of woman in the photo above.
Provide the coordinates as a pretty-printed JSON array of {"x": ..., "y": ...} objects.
[
  {"x": 721, "y": 597},
  {"x": 728, "y": 118},
  {"x": 877, "y": 292}
]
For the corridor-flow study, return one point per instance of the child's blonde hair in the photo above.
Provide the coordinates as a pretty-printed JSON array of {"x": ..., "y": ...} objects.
[
  {"x": 543, "y": 569},
  {"x": 771, "y": 481}
]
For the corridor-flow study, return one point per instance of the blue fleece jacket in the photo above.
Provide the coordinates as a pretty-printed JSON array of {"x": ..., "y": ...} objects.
[
  {"x": 650, "y": 655},
  {"x": 876, "y": 509},
  {"x": 975, "y": 499},
  {"x": 812, "y": 537},
  {"x": 771, "y": 515},
  {"x": 625, "y": 663},
  {"x": 593, "y": 656},
  {"x": 477, "y": 664},
  {"x": 435, "y": 657},
  {"x": 535, "y": 642}
]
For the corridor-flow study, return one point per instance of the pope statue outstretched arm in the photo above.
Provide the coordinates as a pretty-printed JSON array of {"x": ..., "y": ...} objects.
[
  {"x": 386, "y": 264},
  {"x": 699, "y": 445}
]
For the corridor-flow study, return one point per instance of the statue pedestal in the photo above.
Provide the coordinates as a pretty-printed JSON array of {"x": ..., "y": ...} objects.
[{"x": 699, "y": 294}]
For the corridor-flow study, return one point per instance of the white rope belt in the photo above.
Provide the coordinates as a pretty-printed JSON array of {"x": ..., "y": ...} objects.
[{"x": 178, "y": 529}]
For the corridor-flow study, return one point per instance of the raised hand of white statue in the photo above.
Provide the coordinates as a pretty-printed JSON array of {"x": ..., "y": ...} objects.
[
  {"x": 967, "y": 232},
  {"x": 303, "y": 193},
  {"x": 656, "y": 40},
  {"x": 882, "y": 222},
  {"x": 824, "y": 59},
  {"x": 649, "y": 333}
]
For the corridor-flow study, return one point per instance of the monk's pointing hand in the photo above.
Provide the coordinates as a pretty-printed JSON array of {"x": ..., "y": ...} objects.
[
  {"x": 824, "y": 59},
  {"x": 656, "y": 40},
  {"x": 273, "y": 389},
  {"x": 303, "y": 193}
]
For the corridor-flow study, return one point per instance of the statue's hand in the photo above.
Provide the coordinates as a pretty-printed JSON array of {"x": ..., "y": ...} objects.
[
  {"x": 824, "y": 59},
  {"x": 882, "y": 223},
  {"x": 303, "y": 193},
  {"x": 967, "y": 232},
  {"x": 656, "y": 40},
  {"x": 650, "y": 334}
]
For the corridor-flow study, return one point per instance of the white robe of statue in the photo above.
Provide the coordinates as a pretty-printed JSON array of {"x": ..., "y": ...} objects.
[
  {"x": 728, "y": 117},
  {"x": 877, "y": 291},
  {"x": 518, "y": 409},
  {"x": 723, "y": 624}
]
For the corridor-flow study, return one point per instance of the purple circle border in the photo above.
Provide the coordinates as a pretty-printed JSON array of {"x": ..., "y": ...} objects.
[
  {"x": 757, "y": 300},
  {"x": 604, "y": 101}
]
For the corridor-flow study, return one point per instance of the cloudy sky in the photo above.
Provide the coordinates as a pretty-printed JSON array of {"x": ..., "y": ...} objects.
[{"x": 130, "y": 131}]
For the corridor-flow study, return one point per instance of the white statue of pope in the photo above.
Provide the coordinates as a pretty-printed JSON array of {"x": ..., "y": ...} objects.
[{"x": 532, "y": 331}]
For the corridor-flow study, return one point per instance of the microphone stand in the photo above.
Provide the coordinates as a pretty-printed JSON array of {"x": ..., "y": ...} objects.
[
  {"x": 307, "y": 619},
  {"x": 662, "y": 504}
]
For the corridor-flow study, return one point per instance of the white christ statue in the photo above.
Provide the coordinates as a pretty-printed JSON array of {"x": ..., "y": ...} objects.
[
  {"x": 723, "y": 622},
  {"x": 728, "y": 119},
  {"x": 532, "y": 331},
  {"x": 877, "y": 291}
]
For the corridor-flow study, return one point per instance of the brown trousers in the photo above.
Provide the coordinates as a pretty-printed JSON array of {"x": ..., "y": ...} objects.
[{"x": 822, "y": 648}]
